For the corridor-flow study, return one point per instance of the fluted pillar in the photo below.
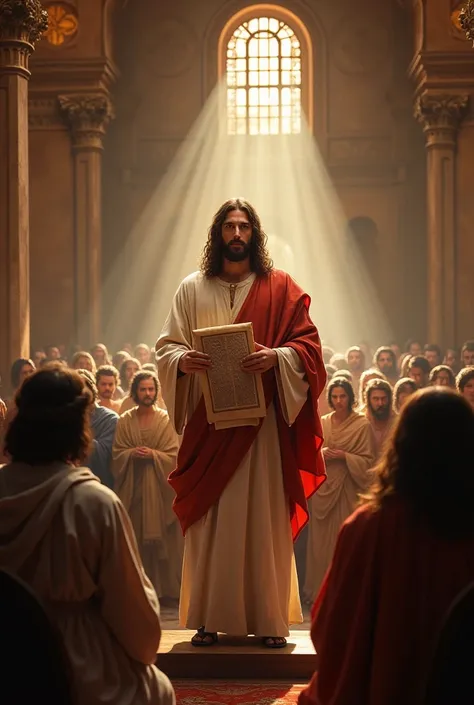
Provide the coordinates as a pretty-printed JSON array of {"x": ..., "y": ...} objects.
[
  {"x": 22, "y": 22},
  {"x": 440, "y": 116},
  {"x": 88, "y": 116}
]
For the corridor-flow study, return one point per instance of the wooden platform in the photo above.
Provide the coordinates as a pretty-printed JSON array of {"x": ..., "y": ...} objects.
[{"x": 235, "y": 657}]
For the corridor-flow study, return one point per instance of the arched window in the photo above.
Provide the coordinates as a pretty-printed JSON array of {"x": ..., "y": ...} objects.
[{"x": 264, "y": 78}]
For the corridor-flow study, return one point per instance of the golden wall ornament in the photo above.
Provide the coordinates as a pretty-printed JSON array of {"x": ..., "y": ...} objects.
[
  {"x": 63, "y": 24},
  {"x": 466, "y": 20},
  {"x": 24, "y": 20}
]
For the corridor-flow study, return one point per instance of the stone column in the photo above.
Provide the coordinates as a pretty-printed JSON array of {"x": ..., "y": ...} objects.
[
  {"x": 440, "y": 116},
  {"x": 22, "y": 22},
  {"x": 88, "y": 116}
]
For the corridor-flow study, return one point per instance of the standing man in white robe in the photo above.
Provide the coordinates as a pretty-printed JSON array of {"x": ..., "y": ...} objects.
[{"x": 241, "y": 492}]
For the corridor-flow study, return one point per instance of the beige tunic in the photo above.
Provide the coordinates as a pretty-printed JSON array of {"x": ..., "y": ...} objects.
[
  {"x": 142, "y": 485},
  {"x": 70, "y": 539},
  {"x": 239, "y": 573},
  {"x": 126, "y": 404},
  {"x": 336, "y": 499},
  {"x": 381, "y": 432}
]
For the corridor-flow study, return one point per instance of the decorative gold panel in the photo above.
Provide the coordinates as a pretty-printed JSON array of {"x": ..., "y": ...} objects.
[{"x": 63, "y": 24}]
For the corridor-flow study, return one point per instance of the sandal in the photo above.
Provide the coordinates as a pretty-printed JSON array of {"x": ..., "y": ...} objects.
[
  {"x": 203, "y": 638},
  {"x": 274, "y": 642}
]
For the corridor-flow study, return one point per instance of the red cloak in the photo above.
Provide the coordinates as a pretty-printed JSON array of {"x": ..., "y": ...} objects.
[
  {"x": 378, "y": 613},
  {"x": 279, "y": 312}
]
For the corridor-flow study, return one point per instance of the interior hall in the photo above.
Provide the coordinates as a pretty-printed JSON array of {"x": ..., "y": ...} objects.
[{"x": 236, "y": 352}]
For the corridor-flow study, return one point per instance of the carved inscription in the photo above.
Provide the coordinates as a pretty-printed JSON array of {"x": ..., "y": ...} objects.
[{"x": 230, "y": 388}]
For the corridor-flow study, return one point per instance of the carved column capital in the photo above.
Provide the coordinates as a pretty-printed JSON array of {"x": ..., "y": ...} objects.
[
  {"x": 440, "y": 117},
  {"x": 466, "y": 20},
  {"x": 22, "y": 24},
  {"x": 88, "y": 116}
]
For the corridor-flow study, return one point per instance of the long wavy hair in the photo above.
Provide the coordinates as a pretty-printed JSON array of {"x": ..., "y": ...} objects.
[
  {"x": 139, "y": 377},
  {"x": 346, "y": 385},
  {"x": 211, "y": 260},
  {"x": 428, "y": 462}
]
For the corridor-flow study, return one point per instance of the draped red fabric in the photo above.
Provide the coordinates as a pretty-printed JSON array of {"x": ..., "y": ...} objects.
[
  {"x": 278, "y": 310},
  {"x": 378, "y": 615}
]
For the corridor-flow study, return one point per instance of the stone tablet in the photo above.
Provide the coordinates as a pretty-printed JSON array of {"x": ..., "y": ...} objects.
[{"x": 232, "y": 397}]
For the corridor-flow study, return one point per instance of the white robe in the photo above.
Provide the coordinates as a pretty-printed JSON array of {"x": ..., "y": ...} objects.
[{"x": 239, "y": 572}]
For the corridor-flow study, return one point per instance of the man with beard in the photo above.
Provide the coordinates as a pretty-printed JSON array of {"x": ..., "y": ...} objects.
[
  {"x": 242, "y": 491},
  {"x": 379, "y": 411},
  {"x": 386, "y": 362},
  {"x": 144, "y": 454},
  {"x": 356, "y": 365}
]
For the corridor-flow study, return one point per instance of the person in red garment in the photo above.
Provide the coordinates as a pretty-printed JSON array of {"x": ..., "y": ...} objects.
[
  {"x": 241, "y": 493},
  {"x": 401, "y": 560}
]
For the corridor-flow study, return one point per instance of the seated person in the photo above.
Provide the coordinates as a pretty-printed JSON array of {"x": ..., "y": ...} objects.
[
  {"x": 70, "y": 539},
  {"x": 401, "y": 560}
]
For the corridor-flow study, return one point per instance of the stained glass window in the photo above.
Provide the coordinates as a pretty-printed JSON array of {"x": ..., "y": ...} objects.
[{"x": 263, "y": 79}]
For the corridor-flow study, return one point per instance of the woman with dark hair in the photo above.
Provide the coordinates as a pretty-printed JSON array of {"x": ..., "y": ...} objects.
[
  {"x": 401, "y": 560},
  {"x": 349, "y": 452},
  {"x": 70, "y": 539}
]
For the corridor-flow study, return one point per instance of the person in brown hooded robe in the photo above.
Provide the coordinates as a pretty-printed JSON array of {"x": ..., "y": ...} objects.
[{"x": 70, "y": 539}]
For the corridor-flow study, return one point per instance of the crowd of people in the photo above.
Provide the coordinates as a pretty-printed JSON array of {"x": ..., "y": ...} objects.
[
  {"x": 133, "y": 453},
  {"x": 104, "y": 475},
  {"x": 365, "y": 394},
  {"x": 90, "y": 416},
  {"x": 134, "y": 447}
]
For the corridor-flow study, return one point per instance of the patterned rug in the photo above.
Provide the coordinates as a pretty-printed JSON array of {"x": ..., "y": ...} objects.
[{"x": 234, "y": 693}]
